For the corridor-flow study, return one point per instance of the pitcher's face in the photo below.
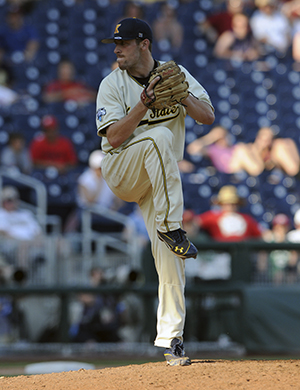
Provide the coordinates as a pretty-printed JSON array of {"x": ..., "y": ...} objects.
[{"x": 128, "y": 53}]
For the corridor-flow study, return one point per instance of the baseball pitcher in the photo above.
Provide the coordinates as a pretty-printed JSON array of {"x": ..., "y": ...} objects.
[{"x": 141, "y": 109}]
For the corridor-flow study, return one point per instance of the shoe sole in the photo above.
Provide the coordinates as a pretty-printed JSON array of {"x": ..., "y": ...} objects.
[
  {"x": 169, "y": 246},
  {"x": 185, "y": 361}
]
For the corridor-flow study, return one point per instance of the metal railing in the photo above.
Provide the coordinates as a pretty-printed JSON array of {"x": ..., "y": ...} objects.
[
  {"x": 105, "y": 241},
  {"x": 242, "y": 271},
  {"x": 12, "y": 176}
]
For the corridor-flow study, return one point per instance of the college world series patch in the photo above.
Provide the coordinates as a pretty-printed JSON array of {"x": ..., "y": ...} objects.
[{"x": 100, "y": 113}]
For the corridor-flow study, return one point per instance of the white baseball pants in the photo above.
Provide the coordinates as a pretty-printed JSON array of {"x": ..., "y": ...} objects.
[{"x": 146, "y": 172}]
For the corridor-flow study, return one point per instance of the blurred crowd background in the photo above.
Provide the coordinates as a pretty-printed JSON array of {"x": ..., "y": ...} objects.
[{"x": 243, "y": 170}]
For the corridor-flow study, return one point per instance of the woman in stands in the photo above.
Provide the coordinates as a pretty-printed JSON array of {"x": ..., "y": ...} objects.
[
  {"x": 266, "y": 152},
  {"x": 279, "y": 153},
  {"x": 238, "y": 43},
  {"x": 226, "y": 157}
]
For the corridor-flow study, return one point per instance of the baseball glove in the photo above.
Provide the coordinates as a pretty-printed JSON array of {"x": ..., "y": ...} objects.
[{"x": 170, "y": 89}]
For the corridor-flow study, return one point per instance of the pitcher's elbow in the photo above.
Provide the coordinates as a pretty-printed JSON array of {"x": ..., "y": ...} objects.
[
  {"x": 113, "y": 142},
  {"x": 210, "y": 119}
]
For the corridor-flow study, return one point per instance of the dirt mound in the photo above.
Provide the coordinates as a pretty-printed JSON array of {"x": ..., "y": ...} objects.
[{"x": 202, "y": 374}]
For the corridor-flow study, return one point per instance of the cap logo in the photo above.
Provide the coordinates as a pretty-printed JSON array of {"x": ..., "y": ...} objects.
[
  {"x": 117, "y": 29},
  {"x": 130, "y": 29}
]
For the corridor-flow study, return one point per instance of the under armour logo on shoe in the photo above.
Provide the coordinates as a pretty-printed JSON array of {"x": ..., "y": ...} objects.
[{"x": 179, "y": 249}]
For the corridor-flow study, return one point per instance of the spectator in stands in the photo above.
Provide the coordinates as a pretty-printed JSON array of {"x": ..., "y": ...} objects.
[
  {"x": 225, "y": 156},
  {"x": 226, "y": 223},
  {"x": 271, "y": 27},
  {"x": 100, "y": 317},
  {"x": 132, "y": 311},
  {"x": 27, "y": 6},
  {"x": 167, "y": 29},
  {"x": 279, "y": 153},
  {"x": 280, "y": 226},
  {"x": 293, "y": 268},
  {"x": 266, "y": 152},
  {"x": 92, "y": 190},
  {"x": 280, "y": 264},
  {"x": 140, "y": 226},
  {"x": 186, "y": 166},
  {"x": 37, "y": 317},
  {"x": 138, "y": 230},
  {"x": 16, "y": 154},
  {"x": 132, "y": 9},
  {"x": 51, "y": 149},
  {"x": 20, "y": 229},
  {"x": 8, "y": 95},
  {"x": 220, "y": 21},
  {"x": 18, "y": 36},
  {"x": 67, "y": 87},
  {"x": 296, "y": 49},
  {"x": 294, "y": 235},
  {"x": 238, "y": 43},
  {"x": 291, "y": 9}
]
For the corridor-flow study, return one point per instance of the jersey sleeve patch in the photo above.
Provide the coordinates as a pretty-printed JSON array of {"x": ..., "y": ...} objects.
[{"x": 100, "y": 113}]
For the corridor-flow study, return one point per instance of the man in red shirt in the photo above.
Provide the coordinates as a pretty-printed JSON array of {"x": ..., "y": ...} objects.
[
  {"x": 67, "y": 87},
  {"x": 227, "y": 223},
  {"x": 51, "y": 149}
]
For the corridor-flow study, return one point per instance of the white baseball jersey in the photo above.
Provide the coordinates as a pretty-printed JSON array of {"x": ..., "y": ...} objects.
[{"x": 119, "y": 92}]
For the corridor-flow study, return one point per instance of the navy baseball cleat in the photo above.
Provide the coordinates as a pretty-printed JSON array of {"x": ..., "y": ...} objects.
[
  {"x": 175, "y": 355},
  {"x": 178, "y": 243}
]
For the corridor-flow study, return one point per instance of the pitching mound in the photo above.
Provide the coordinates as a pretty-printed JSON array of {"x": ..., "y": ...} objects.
[{"x": 202, "y": 374}]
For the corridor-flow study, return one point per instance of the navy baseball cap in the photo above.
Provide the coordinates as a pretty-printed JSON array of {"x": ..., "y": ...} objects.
[{"x": 130, "y": 28}]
